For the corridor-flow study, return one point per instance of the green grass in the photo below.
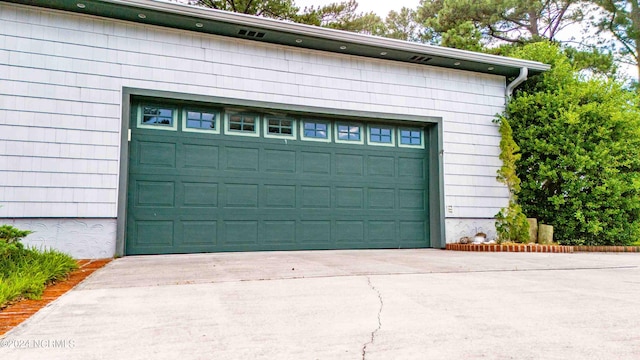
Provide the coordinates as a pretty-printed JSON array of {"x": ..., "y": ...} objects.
[{"x": 24, "y": 273}]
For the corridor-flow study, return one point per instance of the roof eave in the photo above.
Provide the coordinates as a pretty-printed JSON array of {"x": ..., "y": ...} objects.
[
  {"x": 363, "y": 45},
  {"x": 333, "y": 34}
]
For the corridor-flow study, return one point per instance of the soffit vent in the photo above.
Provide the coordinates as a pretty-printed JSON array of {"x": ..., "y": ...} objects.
[
  {"x": 251, "y": 33},
  {"x": 419, "y": 58}
]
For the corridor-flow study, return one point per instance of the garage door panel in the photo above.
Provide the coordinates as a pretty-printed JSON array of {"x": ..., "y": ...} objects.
[
  {"x": 155, "y": 193},
  {"x": 412, "y": 231},
  {"x": 409, "y": 199},
  {"x": 238, "y": 158},
  {"x": 278, "y": 232},
  {"x": 349, "y": 165},
  {"x": 380, "y": 198},
  {"x": 315, "y": 163},
  {"x": 156, "y": 154},
  {"x": 381, "y": 166},
  {"x": 197, "y": 194},
  {"x": 201, "y": 156},
  {"x": 154, "y": 233},
  {"x": 382, "y": 231},
  {"x": 350, "y": 231},
  {"x": 314, "y": 231},
  {"x": 241, "y": 195},
  {"x": 240, "y": 232},
  {"x": 279, "y": 196},
  {"x": 280, "y": 161},
  {"x": 315, "y": 197},
  {"x": 200, "y": 232},
  {"x": 411, "y": 167},
  {"x": 349, "y": 197}
]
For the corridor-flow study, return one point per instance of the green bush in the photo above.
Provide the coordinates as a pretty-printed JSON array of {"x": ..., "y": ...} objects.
[
  {"x": 10, "y": 234},
  {"x": 10, "y": 240},
  {"x": 580, "y": 143},
  {"x": 24, "y": 272},
  {"x": 511, "y": 223}
]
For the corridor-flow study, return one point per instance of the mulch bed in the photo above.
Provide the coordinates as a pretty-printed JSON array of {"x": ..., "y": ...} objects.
[
  {"x": 16, "y": 313},
  {"x": 538, "y": 248}
]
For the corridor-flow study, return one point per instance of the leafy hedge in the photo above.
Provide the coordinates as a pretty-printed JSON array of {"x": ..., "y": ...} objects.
[{"x": 580, "y": 145}]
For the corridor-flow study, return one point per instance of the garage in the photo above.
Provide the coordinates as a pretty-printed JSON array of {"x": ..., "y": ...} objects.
[
  {"x": 154, "y": 127},
  {"x": 211, "y": 177}
]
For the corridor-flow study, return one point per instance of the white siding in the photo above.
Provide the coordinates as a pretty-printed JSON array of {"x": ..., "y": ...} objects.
[{"x": 61, "y": 77}]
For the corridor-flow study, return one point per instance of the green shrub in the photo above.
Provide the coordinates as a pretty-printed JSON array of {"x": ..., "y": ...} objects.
[
  {"x": 10, "y": 240},
  {"x": 10, "y": 234},
  {"x": 580, "y": 146},
  {"x": 511, "y": 223},
  {"x": 24, "y": 272}
]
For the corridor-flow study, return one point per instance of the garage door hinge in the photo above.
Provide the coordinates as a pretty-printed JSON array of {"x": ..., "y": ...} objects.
[{"x": 129, "y": 135}]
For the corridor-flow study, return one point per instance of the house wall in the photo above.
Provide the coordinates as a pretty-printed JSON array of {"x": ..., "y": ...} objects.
[{"x": 61, "y": 81}]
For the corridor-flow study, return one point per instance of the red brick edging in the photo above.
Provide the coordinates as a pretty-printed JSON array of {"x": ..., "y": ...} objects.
[
  {"x": 607, "y": 248},
  {"x": 540, "y": 248},
  {"x": 511, "y": 248}
]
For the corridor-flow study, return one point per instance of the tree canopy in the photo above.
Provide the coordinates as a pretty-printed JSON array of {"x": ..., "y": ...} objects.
[
  {"x": 512, "y": 21},
  {"x": 621, "y": 19},
  {"x": 339, "y": 15},
  {"x": 343, "y": 16},
  {"x": 275, "y": 9},
  {"x": 402, "y": 25}
]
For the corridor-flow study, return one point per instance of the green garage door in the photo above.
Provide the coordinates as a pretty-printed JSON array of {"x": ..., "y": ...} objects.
[{"x": 213, "y": 179}]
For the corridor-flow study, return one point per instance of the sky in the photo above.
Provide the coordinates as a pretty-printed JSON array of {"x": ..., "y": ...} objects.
[{"x": 380, "y": 7}]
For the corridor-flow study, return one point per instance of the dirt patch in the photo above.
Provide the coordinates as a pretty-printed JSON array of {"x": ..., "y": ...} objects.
[{"x": 16, "y": 313}]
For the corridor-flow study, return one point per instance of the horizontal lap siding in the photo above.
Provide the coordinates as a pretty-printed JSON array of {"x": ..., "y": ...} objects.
[{"x": 60, "y": 94}]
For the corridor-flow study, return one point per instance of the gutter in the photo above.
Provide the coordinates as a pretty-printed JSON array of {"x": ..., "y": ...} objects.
[{"x": 524, "y": 72}]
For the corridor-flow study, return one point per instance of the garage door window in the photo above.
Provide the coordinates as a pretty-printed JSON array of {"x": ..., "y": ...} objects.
[
  {"x": 242, "y": 124},
  {"x": 157, "y": 117},
  {"x": 279, "y": 128},
  {"x": 410, "y": 137},
  {"x": 316, "y": 131},
  {"x": 201, "y": 121},
  {"x": 381, "y": 136},
  {"x": 349, "y": 133}
]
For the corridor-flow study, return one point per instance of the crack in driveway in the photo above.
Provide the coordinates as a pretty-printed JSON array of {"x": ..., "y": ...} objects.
[{"x": 374, "y": 332}]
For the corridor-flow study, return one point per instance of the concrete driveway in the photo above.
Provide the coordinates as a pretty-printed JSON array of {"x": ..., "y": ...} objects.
[{"x": 377, "y": 304}]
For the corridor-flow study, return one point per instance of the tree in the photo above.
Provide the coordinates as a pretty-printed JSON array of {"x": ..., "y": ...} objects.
[
  {"x": 275, "y": 9},
  {"x": 343, "y": 16},
  {"x": 622, "y": 20},
  {"x": 497, "y": 26},
  {"x": 402, "y": 25},
  {"x": 339, "y": 15},
  {"x": 580, "y": 145},
  {"x": 464, "y": 36},
  {"x": 513, "y": 21},
  {"x": 598, "y": 62}
]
